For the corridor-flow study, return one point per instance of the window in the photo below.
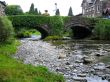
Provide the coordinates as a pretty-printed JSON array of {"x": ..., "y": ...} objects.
[{"x": 98, "y": 8}]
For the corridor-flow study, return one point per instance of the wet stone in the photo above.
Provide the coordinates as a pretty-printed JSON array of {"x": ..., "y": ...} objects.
[
  {"x": 67, "y": 63},
  {"x": 80, "y": 79},
  {"x": 64, "y": 61},
  {"x": 82, "y": 75}
]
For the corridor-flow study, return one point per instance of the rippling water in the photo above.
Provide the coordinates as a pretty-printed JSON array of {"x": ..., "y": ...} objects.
[{"x": 89, "y": 48}]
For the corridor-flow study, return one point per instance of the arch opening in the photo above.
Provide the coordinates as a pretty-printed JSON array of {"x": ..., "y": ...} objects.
[
  {"x": 43, "y": 30},
  {"x": 80, "y": 32},
  {"x": 30, "y": 32}
]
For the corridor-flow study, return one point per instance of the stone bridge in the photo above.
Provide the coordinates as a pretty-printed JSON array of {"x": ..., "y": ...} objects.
[{"x": 81, "y": 27}]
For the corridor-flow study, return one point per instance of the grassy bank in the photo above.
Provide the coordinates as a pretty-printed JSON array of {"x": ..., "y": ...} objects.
[{"x": 12, "y": 70}]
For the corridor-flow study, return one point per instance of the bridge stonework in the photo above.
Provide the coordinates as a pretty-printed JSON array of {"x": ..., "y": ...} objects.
[{"x": 81, "y": 27}]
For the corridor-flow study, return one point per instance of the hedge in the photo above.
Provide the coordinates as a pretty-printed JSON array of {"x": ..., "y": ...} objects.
[{"x": 55, "y": 23}]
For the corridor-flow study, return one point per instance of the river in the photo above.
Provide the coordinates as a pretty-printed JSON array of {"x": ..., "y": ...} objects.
[
  {"x": 96, "y": 54},
  {"x": 77, "y": 60}
]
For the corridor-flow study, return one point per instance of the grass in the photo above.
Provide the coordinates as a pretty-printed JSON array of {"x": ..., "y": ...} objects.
[
  {"x": 53, "y": 38},
  {"x": 12, "y": 70}
]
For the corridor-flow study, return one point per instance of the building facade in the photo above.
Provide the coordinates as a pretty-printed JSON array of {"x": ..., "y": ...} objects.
[
  {"x": 95, "y": 8},
  {"x": 2, "y": 8}
]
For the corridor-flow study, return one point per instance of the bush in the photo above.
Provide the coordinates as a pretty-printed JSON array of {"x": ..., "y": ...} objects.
[
  {"x": 6, "y": 30},
  {"x": 23, "y": 33},
  {"x": 102, "y": 29},
  {"x": 53, "y": 38},
  {"x": 55, "y": 23}
]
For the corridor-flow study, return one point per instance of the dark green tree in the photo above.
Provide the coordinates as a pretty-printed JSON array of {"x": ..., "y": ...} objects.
[
  {"x": 13, "y": 10},
  {"x": 70, "y": 13},
  {"x": 57, "y": 12},
  {"x": 40, "y": 12},
  {"x": 36, "y": 11},
  {"x": 32, "y": 11}
]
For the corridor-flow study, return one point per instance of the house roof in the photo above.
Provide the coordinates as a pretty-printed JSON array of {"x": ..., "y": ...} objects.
[
  {"x": 90, "y": 2},
  {"x": 3, "y": 3}
]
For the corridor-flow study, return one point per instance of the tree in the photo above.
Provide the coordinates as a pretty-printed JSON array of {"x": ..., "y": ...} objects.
[
  {"x": 40, "y": 12},
  {"x": 57, "y": 12},
  {"x": 36, "y": 11},
  {"x": 13, "y": 10},
  {"x": 31, "y": 11},
  {"x": 70, "y": 13}
]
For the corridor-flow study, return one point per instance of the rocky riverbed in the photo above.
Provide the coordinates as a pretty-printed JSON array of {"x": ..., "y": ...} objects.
[{"x": 75, "y": 61}]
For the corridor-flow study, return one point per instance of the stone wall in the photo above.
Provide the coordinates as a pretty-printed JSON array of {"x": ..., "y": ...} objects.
[{"x": 2, "y": 8}]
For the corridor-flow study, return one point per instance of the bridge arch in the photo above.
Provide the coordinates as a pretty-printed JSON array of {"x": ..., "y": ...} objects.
[
  {"x": 81, "y": 27},
  {"x": 43, "y": 29},
  {"x": 79, "y": 31}
]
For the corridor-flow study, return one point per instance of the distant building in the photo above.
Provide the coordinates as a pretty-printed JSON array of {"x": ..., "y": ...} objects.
[
  {"x": 95, "y": 8},
  {"x": 2, "y": 8}
]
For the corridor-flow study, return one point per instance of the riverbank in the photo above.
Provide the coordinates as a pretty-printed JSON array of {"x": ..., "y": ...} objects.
[
  {"x": 68, "y": 62},
  {"x": 12, "y": 70}
]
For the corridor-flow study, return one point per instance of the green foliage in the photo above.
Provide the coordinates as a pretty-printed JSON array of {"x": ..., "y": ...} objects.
[
  {"x": 23, "y": 33},
  {"x": 6, "y": 30},
  {"x": 70, "y": 13},
  {"x": 9, "y": 48},
  {"x": 53, "y": 38},
  {"x": 36, "y": 11},
  {"x": 13, "y": 10},
  {"x": 55, "y": 23},
  {"x": 12, "y": 70},
  {"x": 40, "y": 13},
  {"x": 34, "y": 32},
  {"x": 57, "y": 12},
  {"x": 26, "y": 32},
  {"x": 28, "y": 20},
  {"x": 102, "y": 29},
  {"x": 31, "y": 11}
]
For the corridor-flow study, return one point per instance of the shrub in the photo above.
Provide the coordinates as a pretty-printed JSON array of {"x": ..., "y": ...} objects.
[
  {"x": 6, "y": 30},
  {"x": 23, "y": 33},
  {"x": 53, "y": 38},
  {"x": 102, "y": 29}
]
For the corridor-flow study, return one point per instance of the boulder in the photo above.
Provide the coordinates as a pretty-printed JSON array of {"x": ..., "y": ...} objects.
[{"x": 80, "y": 79}]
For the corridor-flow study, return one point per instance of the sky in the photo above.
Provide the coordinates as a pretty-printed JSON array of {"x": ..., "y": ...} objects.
[{"x": 62, "y": 5}]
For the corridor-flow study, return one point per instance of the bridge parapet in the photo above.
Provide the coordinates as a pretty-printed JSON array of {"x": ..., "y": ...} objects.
[
  {"x": 80, "y": 21},
  {"x": 81, "y": 27}
]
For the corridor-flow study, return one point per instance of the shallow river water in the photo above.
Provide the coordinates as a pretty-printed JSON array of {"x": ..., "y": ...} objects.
[
  {"x": 77, "y": 60},
  {"x": 96, "y": 54}
]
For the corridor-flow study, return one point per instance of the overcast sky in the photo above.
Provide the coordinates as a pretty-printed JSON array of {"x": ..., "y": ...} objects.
[{"x": 49, "y": 5}]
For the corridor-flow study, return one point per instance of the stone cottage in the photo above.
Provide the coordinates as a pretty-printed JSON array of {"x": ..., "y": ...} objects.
[
  {"x": 95, "y": 8},
  {"x": 2, "y": 8}
]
